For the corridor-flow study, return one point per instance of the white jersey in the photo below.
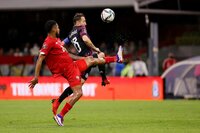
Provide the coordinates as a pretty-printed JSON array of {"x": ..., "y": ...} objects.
[{"x": 139, "y": 68}]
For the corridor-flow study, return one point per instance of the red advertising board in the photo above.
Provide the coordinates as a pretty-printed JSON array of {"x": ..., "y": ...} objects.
[{"x": 148, "y": 88}]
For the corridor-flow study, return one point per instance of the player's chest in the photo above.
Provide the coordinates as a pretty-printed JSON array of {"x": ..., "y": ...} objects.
[{"x": 58, "y": 47}]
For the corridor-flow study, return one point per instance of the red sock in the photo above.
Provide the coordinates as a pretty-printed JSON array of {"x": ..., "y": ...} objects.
[
  {"x": 65, "y": 109},
  {"x": 110, "y": 59},
  {"x": 55, "y": 106},
  {"x": 56, "y": 103}
]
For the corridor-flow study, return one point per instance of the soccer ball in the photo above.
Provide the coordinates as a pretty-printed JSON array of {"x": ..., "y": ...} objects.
[{"x": 107, "y": 15}]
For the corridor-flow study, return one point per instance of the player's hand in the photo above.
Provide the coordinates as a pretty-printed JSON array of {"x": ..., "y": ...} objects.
[
  {"x": 33, "y": 82},
  {"x": 97, "y": 50}
]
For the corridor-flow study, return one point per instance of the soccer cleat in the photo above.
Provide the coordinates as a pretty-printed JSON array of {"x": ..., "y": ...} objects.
[
  {"x": 55, "y": 105},
  {"x": 59, "y": 120},
  {"x": 119, "y": 55},
  {"x": 105, "y": 82}
]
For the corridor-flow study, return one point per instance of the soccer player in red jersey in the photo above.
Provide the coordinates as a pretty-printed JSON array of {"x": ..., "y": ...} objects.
[
  {"x": 61, "y": 63},
  {"x": 81, "y": 41}
]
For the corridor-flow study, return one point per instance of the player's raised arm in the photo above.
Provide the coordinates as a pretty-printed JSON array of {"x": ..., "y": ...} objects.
[
  {"x": 89, "y": 43},
  {"x": 34, "y": 81}
]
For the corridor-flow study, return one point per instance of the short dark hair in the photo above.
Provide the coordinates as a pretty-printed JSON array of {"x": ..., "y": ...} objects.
[
  {"x": 77, "y": 17},
  {"x": 49, "y": 24}
]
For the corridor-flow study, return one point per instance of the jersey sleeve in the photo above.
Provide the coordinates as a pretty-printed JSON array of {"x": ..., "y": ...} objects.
[
  {"x": 46, "y": 47},
  {"x": 66, "y": 41},
  {"x": 83, "y": 31}
]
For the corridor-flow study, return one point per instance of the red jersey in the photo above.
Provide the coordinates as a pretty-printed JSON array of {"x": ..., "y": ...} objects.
[
  {"x": 168, "y": 63},
  {"x": 57, "y": 58}
]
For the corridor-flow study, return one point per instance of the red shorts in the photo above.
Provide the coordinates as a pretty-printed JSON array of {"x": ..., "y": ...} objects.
[
  {"x": 72, "y": 72},
  {"x": 82, "y": 65}
]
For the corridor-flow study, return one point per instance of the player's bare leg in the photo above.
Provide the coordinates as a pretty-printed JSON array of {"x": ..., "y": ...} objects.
[
  {"x": 89, "y": 61},
  {"x": 67, "y": 92},
  {"x": 77, "y": 93}
]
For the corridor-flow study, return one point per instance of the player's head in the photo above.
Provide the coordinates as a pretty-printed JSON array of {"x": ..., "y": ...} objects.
[
  {"x": 170, "y": 55},
  {"x": 52, "y": 27},
  {"x": 79, "y": 19}
]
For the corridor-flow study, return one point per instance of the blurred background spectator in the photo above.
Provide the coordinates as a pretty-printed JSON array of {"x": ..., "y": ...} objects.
[
  {"x": 127, "y": 71},
  {"x": 117, "y": 68},
  {"x": 1, "y": 52},
  {"x": 18, "y": 52},
  {"x": 103, "y": 47},
  {"x": 11, "y": 52},
  {"x": 27, "y": 49},
  {"x": 169, "y": 61},
  {"x": 139, "y": 68},
  {"x": 35, "y": 50}
]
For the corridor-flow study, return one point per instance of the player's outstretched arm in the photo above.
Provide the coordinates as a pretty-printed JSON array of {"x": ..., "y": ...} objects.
[
  {"x": 89, "y": 43},
  {"x": 34, "y": 81}
]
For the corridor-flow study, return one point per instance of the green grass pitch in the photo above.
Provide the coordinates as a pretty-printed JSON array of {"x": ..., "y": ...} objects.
[{"x": 179, "y": 116}]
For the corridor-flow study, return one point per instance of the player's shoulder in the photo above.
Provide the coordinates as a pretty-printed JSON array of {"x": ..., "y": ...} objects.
[{"x": 49, "y": 40}]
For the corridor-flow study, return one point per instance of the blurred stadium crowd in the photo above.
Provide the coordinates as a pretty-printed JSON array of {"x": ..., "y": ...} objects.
[
  {"x": 22, "y": 67},
  {"x": 23, "y": 35}
]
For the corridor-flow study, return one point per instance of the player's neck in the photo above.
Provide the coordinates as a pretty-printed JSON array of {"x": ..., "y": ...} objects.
[{"x": 52, "y": 35}]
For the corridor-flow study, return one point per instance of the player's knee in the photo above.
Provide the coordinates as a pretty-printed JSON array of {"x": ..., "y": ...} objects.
[
  {"x": 101, "y": 55},
  {"x": 79, "y": 94},
  {"x": 94, "y": 61},
  {"x": 90, "y": 60}
]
